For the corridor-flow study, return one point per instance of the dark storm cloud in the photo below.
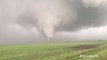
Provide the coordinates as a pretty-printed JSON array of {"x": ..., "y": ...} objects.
[
  {"x": 26, "y": 20},
  {"x": 86, "y": 16}
]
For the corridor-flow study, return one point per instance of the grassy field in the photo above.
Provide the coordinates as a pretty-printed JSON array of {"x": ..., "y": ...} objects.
[{"x": 55, "y": 51}]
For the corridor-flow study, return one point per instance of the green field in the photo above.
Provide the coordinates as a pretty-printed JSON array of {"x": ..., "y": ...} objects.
[{"x": 96, "y": 50}]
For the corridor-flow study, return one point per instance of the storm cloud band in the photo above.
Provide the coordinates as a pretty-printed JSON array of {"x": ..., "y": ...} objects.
[{"x": 47, "y": 17}]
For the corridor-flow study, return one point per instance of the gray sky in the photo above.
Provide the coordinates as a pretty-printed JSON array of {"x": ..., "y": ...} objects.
[{"x": 39, "y": 20}]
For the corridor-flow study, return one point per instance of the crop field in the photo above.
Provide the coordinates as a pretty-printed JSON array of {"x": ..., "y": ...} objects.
[{"x": 96, "y": 50}]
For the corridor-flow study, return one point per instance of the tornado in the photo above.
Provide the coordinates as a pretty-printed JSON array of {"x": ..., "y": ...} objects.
[{"x": 50, "y": 14}]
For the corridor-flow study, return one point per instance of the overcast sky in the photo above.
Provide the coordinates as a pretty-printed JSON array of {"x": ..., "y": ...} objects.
[{"x": 23, "y": 21}]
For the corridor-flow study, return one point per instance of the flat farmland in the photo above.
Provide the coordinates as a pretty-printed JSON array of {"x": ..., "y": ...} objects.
[{"x": 96, "y": 50}]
